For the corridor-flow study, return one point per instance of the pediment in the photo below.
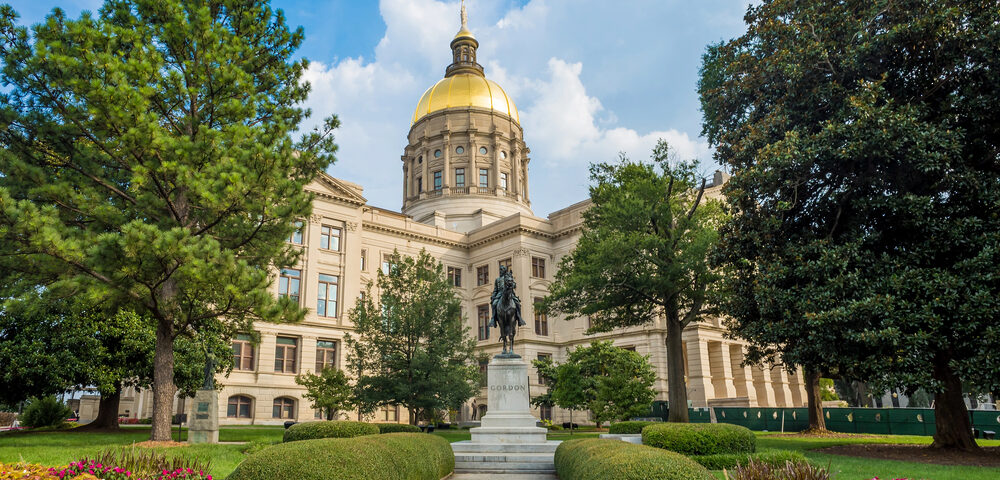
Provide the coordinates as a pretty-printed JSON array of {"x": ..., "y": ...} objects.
[{"x": 337, "y": 189}]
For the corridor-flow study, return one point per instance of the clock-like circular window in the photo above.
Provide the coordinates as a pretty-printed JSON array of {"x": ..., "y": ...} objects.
[
  {"x": 437, "y": 153},
  {"x": 503, "y": 154},
  {"x": 459, "y": 149},
  {"x": 482, "y": 150}
]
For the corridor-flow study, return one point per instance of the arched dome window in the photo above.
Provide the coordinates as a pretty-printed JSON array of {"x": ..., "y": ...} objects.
[
  {"x": 284, "y": 407},
  {"x": 240, "y": 406}
]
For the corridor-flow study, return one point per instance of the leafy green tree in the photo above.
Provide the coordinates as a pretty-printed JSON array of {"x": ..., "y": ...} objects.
[
  {"x": 412, "y": 348},
  {"x": 643, "y": 255},
  {"x": 864, "y": 237},
  {"x": 827, "y": 392},
  {"x": 566, "y": 387},
  {"x": 330, "y": 391},
  {"x": 147, "y": 159}
]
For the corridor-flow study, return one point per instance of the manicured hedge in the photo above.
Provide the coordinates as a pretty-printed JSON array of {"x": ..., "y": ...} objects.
[
  {"x": 626, "y": 428},
  {"x": 700, "y": 438},
  {"x": 397, "y": 427},
  {"x": 393, "y": 456},
  {"x": 598, "y": 459},
  {"x": 328, "y": 429},
  {"x": 774, "y": 458}
]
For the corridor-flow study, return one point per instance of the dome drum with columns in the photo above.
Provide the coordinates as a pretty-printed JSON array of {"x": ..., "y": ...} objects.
[{"x": 466, "y": 162}]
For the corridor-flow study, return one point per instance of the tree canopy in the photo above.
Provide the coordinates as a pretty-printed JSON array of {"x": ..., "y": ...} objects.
[
  {"x": 410, "y": 345},
  {"x": 643, "y": 255},
  {"x": 147, "y": 160},
  {"x": 866, "y": 180},
  {"x": 330, "y": 391}
]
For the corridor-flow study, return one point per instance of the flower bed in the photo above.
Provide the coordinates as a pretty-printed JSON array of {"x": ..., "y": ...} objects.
[{"x": 31, "y": 471}]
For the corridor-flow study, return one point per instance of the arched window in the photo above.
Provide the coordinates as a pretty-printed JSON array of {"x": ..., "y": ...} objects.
[
  {"x": 284, "y": 407},
  {"x": 240, "y": 406}
]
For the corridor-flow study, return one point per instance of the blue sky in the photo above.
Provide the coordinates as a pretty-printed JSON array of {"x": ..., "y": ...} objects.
[{"x": 590, "y": 77}]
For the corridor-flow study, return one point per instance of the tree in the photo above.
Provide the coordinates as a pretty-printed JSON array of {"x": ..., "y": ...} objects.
[
  {"x": 642, "y": 256},
  {"x": 412, "y": 348},
  {"x": 566, "y": 387},
  {"x": 613, "y": 383},
  {"x": 147, "y": 159},
  {"x": 330, "y": 391},
  {"x": 864, "y": 235}
]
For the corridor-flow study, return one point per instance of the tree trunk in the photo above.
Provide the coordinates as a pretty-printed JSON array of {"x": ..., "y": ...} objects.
[
  {"x": 951, "y": 418},
  {"x": 677, "y": 393},
  {"x": 107, "y": 411},
  {"x": 163, "y": 382},
  {"x": 413, "y": 416},
  {"x": 815, "y": 400},
  {"x": 571, "y": 421}
]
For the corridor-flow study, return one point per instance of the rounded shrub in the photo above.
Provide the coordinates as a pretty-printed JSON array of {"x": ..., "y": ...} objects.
[
  {"x": 599, "y": 459},
  {"x": 397, "y": 427},
  {"x": 773, "y": 458},
  {"x": 393, "y": 456},
  {"x": 328, "y": 429},
  {"x": 700, "y": 438},
  {"x": 45, "y": 412},
  {"x": 628, "y": 428}
]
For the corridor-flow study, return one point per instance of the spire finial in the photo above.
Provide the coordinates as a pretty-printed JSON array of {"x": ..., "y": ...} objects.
[{"x": 465, "y": 17}]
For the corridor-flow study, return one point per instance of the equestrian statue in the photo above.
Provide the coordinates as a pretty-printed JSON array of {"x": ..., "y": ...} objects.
[{"x": 506, "y": 310}]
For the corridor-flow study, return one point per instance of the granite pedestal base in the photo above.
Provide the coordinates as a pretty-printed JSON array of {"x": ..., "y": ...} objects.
[
  {"x": 509, "y": 440},
  {"x": 203, "y": 424}
]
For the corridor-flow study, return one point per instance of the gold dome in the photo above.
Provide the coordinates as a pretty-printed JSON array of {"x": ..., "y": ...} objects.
[{"x": 465, "y": 90}]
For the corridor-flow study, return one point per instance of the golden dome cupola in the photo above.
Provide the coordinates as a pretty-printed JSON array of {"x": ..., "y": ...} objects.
[{"x": 465, "y": 164}]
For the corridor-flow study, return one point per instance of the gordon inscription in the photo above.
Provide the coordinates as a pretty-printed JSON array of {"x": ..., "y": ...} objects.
[{"x": 507, "y": 387}]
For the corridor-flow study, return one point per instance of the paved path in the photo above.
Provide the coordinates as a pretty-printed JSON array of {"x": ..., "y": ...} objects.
[{"x": 503, "y": 476}]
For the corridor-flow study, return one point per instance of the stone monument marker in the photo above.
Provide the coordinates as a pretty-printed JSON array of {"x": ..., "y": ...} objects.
[{"x": 203, "y": 425}]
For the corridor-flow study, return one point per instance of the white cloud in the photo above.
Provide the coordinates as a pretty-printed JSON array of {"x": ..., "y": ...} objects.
[{"x": 544, "y": 56}]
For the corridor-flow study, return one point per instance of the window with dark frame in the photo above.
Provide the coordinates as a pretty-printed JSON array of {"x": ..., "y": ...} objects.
[
  {"x": 240, "y": 406},
  {"x": 329, "y": 238},
  {"x": 455, "y": 276},
  {"x": 541, "y": 320},
  {"x": 285, "y": 350},
  {"x": 326, "y": 355},
  {"x": 289, "y": 283},
  {"x": 390, "y": 413},
  {"x": 296, "y": 236},
  {"x": 242, "y": 352},
  {"x": 364, "y": 259},
  {"x": 505, "y": 262},
  {"x": 483, "y": 315},
  {"x": 483, "y": 365},
  {"x": 484, "y": 178},
  {"x": 326, "y": 302},
  {"x": 537, "y": 267},
  {"x": 420, "y": 184},
  {"x": 284, "y": 407},
  {"x": 482, "y": 275},
  {"x": 542, "y": 357},
  {"x": 437, "y": 180},
  {"x": 545, "y": 412},
  {"x": 503, "y": 180},
  {"x": 459, "y": 177}
]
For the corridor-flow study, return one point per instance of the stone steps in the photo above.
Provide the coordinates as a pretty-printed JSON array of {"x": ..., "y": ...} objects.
[
  {"x": 497, "y": 458},
  {"x": 464, "y": 447}
]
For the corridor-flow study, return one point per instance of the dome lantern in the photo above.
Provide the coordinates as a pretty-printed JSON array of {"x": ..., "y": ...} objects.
[{"x": 463, "y": 51}]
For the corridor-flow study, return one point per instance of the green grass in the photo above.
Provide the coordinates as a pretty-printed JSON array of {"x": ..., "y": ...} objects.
[{"x": 61, "y": 447}]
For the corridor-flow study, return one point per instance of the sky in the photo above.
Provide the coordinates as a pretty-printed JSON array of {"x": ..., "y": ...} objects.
[{"x": 590, "y": 78}]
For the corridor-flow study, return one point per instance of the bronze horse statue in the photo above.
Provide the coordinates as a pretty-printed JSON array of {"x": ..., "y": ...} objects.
[{"x": 506, "y": 310}]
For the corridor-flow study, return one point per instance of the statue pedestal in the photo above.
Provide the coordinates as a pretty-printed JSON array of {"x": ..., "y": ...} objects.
[
  {"x": 508, "y": 440},
  {"x": 203, "y": 424}
]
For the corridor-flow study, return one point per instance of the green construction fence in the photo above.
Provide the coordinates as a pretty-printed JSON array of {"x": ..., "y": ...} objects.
[{"x": 894, "y": 421}]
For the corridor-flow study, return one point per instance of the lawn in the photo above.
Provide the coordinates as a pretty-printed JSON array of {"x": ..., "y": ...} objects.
[{"x": 59, "y": 448}]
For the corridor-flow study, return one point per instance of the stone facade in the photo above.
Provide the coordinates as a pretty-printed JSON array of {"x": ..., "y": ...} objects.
[{"x": 471, "y": 227}]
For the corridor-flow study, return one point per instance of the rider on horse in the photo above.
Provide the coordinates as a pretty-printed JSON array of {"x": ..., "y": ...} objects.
[{"x": 504, "y": 281}]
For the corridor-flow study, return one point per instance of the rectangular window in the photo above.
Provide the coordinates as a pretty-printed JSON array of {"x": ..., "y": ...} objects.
[
  {"x": 537, "y": 267},
  {"x": 484, "y": 322},
  {"x": 482, "y": 275},
  {"x": 545, "y": 412},
  {"x": 388, "y": 261},
  {"x": 289, "y": 283},
  {"x": 326, "y": 355},
  {"x": 329, "y": 238},
  {"x": 284, "y": 407},
  {"x": 455, "y": 276},
  {"x": 437, "y": 180},
  {"x": 505, "y": 263},
  {"x": 541, "y": 320},
  {"x": 326, "y": 304},
  {"x": 483, "y": 365},
  {"x": 420, "y": 185},
  {"x": 484, "y": 178},
  {"x": 296, "y": 236},
  {"x": 542, "y": 357},
  {"x": 390, "y": 413},
  {"x": 364, "y": 259},
  {"x": 503, "y": 180},
  {"x": 284, "y": 354},
  {"x": 459, "y": 177},
  {"x": 242, "y": 353}
]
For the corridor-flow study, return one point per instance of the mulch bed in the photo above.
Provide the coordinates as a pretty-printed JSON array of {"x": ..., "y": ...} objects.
[
  {"x": 152, "y": 444},
  {"x": 985, "y": 457}
]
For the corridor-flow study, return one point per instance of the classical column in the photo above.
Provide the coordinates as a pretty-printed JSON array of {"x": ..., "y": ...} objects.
[
  {"x": 424, "y": 182},
  {"x": 782, "y": 394},
  {"x": 722, "y": 373},
  {"x": 762, "y": 384},
  {"x": 742, "y": 377},
  {"x": 515, "y": 173},
  {"x": 406, "y": 181},
  {"x": 446, "y": 181},
  {"x": 495, "y": 171},
  {"x": 700, "y": 389},
  {"x": 797, "y": 388},
  {"x": 523, "y": 162}
]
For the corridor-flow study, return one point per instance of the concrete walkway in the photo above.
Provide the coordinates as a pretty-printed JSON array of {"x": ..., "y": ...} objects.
[{"x": 502, "y": 476}]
